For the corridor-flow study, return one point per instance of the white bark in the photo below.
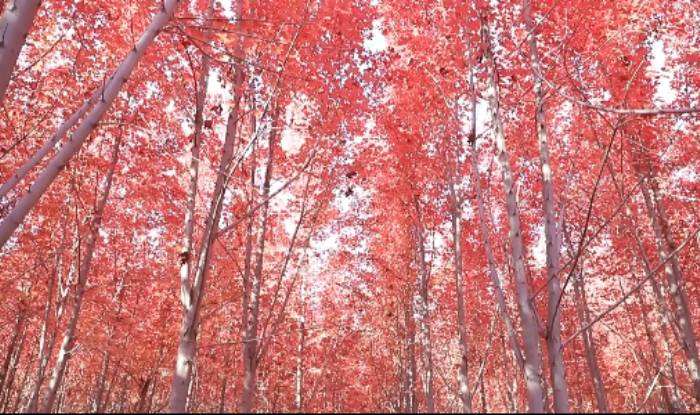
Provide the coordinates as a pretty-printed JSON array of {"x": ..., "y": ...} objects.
[
  {"x": 456, "y": 212},
  {"x": 554, "y": 292},
  {"x": 186, "y": 251},
  {"x": 250, "y": 345},
  {"x": 14, "y": 28},
  {"x": 49, "y": 145},
  {"x": 533, "y": 361},
  {"x": 69, "y": 334},
  {"x": 664, "y": 243},
  {"x": 188, "y": 332},
  {"x": 423, "y": 312},
  {"x": 589, "y": 345},
  {"x": 71, "y": 147}
]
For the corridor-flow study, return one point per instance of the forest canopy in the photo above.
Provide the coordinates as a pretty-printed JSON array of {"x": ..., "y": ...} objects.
[{"x": 349, "y": 206}]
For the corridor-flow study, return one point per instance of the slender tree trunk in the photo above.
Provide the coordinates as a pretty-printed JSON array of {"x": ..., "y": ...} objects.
[
  {"x": 69, "y": 335},
  {"x": 250, "y": 345},
  {"x": 664, "y": 243},
  {"x": 98, "y": 404},
  {"x": 423, "y": 312},
  {"x": 9, "y": 355},
  {"x": 143, "y": 397},
  {"x": 14, "y": 25},
  {"x": 456, "y": 211},
  {"x": 71, "y": 147},
  {"x": 12, "y": 370},
  {"x": 222, "y": 399},
  {"x": 44, "y": 353},
  {"x": 554, "y": 292},
  {"x": 149, "y": 408},
  {"x": 50, "y": 144},
  {"x": 187, "y": 347},
  {"x": 186, "y": 251},
  {"x": 589, "y": 346},
  {"x": 533, "y": 362},
  {"x": 299, "y": 393}
]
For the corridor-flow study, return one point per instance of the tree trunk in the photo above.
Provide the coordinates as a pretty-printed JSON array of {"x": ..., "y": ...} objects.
[
  {"x": 98, "y": 406},
  {"x": 533, "y": 362},
  {"x": 187, "y": 347},
  {"x": 186, "y": 250},
  {"x": 143, "y": 397},
  {"x": 423, "y": 312},
  {"x": 250, "y": 340},
  {"x": 71, "y": 147},
  {"x": 11, "y": 371},
  {"x": 554, "y": 292},
  {"x": 69, "y": 335},
  {"x": 222, "y": 399},
  {"x": 299, "y": 393},
  {"x": 664, "y": 243},
  {"x": 589, "y": 346},
  {"x": 45, "y": 353},
  {"x": 14, "y": 25},
  {"x": 9, "y": 355},
  {"x": 456, "y": 211}
]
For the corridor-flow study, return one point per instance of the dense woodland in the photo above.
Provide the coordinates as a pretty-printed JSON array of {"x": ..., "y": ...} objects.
[{"x": 349, "y": 206}]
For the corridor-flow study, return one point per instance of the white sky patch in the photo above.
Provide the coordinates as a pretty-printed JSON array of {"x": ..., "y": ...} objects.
[
  {"x": 664, "y": 94},
  {"x": 227, "y": 6},
  {"x": 376, "y": 41}
]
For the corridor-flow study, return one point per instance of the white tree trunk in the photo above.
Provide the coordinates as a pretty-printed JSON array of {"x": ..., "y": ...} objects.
[
  {"x": 554, "y": 292},
  {"x": 531, "y": 346},
  {"x": 49, "y": 145},
  {"x": 69, "y": 334},
  {"x": 187, "y": 347},
  {"x": 14, "y": 28},
  {"x": 186, "y": 251},
  {"x": 250, "y": 345},
  {"x": 456, "y": 211},
  {"x": 424, "y": 312},
  {"x": 71, "y": 147},
  {"x": 664, "y": 243}
]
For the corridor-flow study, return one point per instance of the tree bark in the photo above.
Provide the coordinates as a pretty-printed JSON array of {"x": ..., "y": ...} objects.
[
  {"x": 250, "y": 345},
  {"x": 456, "y": 211},
  {"x": 299, "y": 393},
  {"x": 664, "y": 243},
  {"x": 101, "y": 380},
  {"x": 9, "y": 355},
  {"x": 423, "y": 312},
  {"x": 186, "y": 250},
  {"x": 589, "y": 346},
  {"x": 554, "y": 292},
  {"x": 69, "y": 334},
  {"x": 533, "y": 362},
  {"x": 15, "y": 25},
  {"x": 71, "y": 147}
]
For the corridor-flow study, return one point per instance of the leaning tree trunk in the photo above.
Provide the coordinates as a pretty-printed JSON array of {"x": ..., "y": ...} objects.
[
  {"x": 187, "y": 347},
  {"x": 486, "y": 238},
  {"x": 664, "y": 243},
  {"x": 69, "y": 334},
  {"x": 554, "y": 292},
  {"x": 250, "y": 341},
  {"x": 14, "y": 25},
  {"x": 589, "y": 346},
  {"x": 533, "y": 361},
  {"x": 70, "y": 148},
  {"x": 9, "y": 355}
]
